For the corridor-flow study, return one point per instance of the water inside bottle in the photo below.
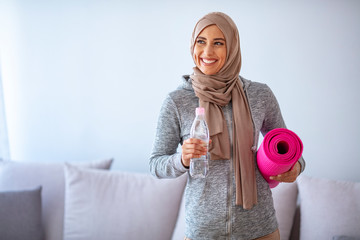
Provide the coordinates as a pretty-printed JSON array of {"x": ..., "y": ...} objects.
[{"x": 199, "y": 167}]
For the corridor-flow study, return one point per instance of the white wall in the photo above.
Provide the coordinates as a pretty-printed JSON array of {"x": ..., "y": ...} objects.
[{"x": 85, "y": 79}]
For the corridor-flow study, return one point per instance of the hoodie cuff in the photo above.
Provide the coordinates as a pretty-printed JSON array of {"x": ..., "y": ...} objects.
[
  {"x": 302, "y": 164},
  {"x": 178, "y": 163}
]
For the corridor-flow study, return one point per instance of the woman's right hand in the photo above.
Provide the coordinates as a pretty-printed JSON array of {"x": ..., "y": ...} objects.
[{"x": 192, "y": 148}]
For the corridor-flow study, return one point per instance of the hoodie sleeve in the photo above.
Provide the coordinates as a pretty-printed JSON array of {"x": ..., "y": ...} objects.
[{"x": 165, "y": 161}]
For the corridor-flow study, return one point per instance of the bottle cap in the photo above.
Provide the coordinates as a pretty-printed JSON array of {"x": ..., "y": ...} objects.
[{"x": 200, "y": 111}]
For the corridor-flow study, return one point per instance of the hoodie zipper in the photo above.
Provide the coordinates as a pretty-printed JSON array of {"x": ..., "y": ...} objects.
[
  {"x": 230, "y": 180},
  {"x": 254, "y": 147}
]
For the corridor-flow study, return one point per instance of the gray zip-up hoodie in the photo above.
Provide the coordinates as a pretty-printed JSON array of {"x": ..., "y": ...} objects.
[{"x": 210, "y": 210}]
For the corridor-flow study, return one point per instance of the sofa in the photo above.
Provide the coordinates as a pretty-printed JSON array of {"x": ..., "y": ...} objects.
[{"x": 88, "y": 200}]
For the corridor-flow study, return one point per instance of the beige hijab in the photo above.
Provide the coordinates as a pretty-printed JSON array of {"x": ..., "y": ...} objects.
[{"x": 216, "y": 91}]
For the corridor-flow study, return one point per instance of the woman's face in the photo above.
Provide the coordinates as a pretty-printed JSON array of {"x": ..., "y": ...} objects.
[{"x": 210, "y": 50}]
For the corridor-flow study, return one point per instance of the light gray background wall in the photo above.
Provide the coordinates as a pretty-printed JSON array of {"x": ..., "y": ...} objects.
[{"x": 85, "y": 79}]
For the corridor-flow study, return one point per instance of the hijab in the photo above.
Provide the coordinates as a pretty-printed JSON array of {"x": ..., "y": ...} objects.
[{"x": 216, "y": 91}]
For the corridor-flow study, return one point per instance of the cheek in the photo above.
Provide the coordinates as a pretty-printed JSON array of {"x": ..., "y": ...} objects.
[
  {"x": 222, "y": 56},
  {"x": 196, "y": 56},
  {"x": 196, "y": 53}
]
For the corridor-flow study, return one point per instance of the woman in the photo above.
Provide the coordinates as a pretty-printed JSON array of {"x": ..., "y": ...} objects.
[{"x": 233, "y": 201}]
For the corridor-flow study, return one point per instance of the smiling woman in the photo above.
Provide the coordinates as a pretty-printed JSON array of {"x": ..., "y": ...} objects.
[{"x": 234, "y": 200}]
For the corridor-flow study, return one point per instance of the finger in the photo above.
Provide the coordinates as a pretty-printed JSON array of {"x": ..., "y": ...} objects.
[
  {"x": 192, "y": 152},
  {"x": 289, "y": 176},
  {"x": 190, "y": 156},
  {"x": 193, "y": 147},
  {"x": 284, "y": 177},
  {"x": 194, "y": 141}
]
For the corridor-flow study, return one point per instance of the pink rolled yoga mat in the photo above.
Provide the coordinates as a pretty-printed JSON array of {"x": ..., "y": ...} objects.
[{"x": 278, "y": 153}]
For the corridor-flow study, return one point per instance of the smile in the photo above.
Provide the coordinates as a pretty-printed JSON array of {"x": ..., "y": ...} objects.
[{"x": 208, "y": 61}]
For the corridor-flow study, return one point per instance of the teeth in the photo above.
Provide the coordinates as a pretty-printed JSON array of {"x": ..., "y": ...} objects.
[{"x": 208, "y": 61}]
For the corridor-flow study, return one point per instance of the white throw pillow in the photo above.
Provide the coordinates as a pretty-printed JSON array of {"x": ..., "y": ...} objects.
[
  {"x": 16, "y": 176},
  {"x": 328, "y": 208},
  {"x": 285, "y": 202},
  {"x": 118, "y": 205}
]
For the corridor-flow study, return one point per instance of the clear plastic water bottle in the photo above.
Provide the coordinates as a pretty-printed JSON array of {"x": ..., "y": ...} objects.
[{"x": 199, "y": 167}]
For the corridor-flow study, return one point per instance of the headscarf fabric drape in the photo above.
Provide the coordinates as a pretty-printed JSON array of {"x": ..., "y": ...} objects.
[{"x": 216, "y": 91}]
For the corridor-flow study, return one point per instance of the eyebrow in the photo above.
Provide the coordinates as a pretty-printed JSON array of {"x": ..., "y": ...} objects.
[{"x": 216, "y": 39}]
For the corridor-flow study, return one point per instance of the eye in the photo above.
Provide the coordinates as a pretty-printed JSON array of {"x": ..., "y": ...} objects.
[
  {"x": 219, "y": 43},
  {"x": 199, "y": 41}
]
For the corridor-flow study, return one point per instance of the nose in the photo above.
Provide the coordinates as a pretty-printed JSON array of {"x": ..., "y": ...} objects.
[{"x": 209, "y": 49}]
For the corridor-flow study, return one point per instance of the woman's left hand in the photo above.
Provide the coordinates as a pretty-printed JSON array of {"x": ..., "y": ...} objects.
[{"x": 289, "y": 176}]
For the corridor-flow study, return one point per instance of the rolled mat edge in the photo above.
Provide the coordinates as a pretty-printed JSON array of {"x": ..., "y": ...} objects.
[{"x": 280, "y": 149}]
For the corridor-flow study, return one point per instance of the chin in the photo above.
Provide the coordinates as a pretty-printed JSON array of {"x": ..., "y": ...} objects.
[{"x": 208, "y": 72}]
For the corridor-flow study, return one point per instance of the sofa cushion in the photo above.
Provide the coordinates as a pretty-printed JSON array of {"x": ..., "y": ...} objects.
[
  {"x": 118, "y": 205},
  {"x": 20, "y": 215},
  {"x": 23, "y": 175},
  {"x": 285, "y": 202},
  {"x": 328, "y": 208}
]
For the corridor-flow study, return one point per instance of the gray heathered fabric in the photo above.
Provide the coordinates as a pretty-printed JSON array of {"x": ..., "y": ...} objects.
[{"x": 211, "y": 212}]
